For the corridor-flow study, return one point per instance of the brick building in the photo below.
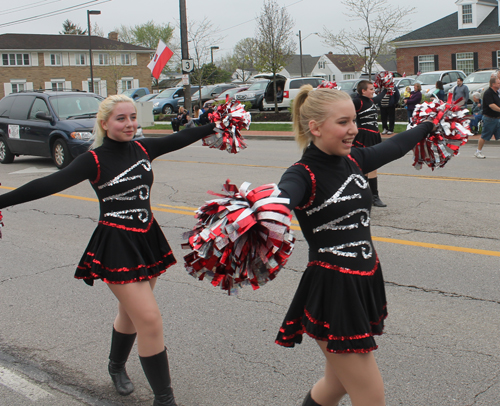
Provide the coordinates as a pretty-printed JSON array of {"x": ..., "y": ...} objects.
[
  {"x": 468, "y": 40},
  {"x": 36, "y": 61}
]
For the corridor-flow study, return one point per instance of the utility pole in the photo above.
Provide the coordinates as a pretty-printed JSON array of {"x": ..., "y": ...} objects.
[{"x": 185, "y": 51}]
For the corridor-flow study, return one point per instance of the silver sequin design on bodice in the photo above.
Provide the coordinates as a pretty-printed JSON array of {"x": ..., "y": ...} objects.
[
  {"x": 143, "y": 193},
  {"x": 333, "y": 225}
]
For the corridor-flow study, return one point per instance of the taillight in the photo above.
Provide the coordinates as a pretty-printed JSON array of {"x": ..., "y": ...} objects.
[{"x": 286, "y": 94}]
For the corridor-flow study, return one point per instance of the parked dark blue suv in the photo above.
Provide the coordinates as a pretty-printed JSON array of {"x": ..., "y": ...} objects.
[{"x": 56, "y": 124}]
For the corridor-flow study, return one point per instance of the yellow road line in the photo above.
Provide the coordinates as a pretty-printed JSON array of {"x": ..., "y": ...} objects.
[
  {"x": 448, "y": 178},
  {"x": 189, "y": 211}
]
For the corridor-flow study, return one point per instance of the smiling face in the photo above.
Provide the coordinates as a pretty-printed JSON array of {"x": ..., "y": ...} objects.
[
  {"x": 369, "y": 91},
  {"x": 336, "y": 134},
  {"x": 122, "y": 122}
]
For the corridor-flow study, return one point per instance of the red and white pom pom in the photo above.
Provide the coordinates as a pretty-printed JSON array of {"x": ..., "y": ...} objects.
[
  {"x": 327, "y": 85},
  {"x": 384, "y": 80},
  {"x": 453, "y": 130},
  {"x": 1, "y": 224},
  {"x": 231, "y": 118},
  {"x": 242, "y": 238}
]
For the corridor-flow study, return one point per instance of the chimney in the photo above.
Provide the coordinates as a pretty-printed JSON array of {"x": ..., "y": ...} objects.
[{"x": 113, "y": 35}]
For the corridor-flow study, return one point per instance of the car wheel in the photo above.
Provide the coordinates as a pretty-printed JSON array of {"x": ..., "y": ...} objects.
[
  {"x": 60, "y": 154},
  {"x": 167, "y": 109},
  {"x": 6, "y": 157},
  {"x": 261, "y": 105}
]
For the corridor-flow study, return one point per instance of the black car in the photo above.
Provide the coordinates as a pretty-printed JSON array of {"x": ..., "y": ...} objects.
[{"x": 47, "y": 123}]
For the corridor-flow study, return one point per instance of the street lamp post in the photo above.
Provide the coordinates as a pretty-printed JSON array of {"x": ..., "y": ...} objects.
[
  {"x": 212, "y": 54},
  {"x": 89, "y": 12},
  {"x": 300, "y": 48}
]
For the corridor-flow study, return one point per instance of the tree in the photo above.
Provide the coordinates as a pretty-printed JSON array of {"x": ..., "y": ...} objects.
[
  {"x": 381, "y": 23},
  {"x": 202, "y": 36},
  {"x": 148, "y": 35},
  {"x": 70, "y": 28},
  {"x": 275, "y": 42},
  {"x": 245, "y": 58}
]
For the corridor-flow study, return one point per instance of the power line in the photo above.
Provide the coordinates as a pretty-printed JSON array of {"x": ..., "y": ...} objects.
[
  {"x": 54, "y": 13},
  {"x": 21, "y": 8}
]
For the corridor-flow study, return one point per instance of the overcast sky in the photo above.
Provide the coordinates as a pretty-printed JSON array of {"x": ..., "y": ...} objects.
[{"x": 236, "y": 19}]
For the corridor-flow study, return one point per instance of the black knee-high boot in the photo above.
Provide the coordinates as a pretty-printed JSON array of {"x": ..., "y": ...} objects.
[
  {"x": 158, "y": 374},
  {"x": 121, "y": 345},
  {"x": 308, "y": 401}
]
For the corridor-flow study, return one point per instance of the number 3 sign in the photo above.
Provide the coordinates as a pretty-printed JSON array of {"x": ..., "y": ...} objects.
[{"x": 187, "y": 65}]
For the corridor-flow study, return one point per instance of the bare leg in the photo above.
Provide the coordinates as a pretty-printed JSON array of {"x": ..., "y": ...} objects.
[
  {"x": 139, "y": 305},
  {"x": 123, "y": 323},
  {"x": 480, "y": 144},
  {"x": 357, "y": 374}
]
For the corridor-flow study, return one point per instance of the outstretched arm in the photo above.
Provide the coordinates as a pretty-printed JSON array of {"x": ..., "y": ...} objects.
[
  {"x": 173, "y": 142},
  {"x": 372, "y": 158},
  {"x": 83, "y": 167},
  {"x": 296, "y": 185}
]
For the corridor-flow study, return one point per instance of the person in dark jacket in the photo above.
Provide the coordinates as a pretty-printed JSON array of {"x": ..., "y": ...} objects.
[
  {"x": 415, "y": 98},
  {"x": 388, "y": 106},
  {"x": 439, "y": 91}
]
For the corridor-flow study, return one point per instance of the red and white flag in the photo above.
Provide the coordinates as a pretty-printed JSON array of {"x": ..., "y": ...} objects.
[{"x": 162, "y": 56}]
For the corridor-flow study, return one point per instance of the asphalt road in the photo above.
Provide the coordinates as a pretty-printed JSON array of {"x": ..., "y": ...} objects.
[{"x": 438, "y": 242}]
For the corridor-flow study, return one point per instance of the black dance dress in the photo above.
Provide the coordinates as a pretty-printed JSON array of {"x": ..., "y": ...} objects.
[
  {"x": 128, "y": 245},
  {"x": 341, "y": 296},
  {"x": 366, "y": 120}
]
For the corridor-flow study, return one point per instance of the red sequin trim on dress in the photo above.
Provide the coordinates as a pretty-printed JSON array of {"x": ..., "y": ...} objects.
[
  {"x": 123, "y": 269},
  {"x": 141, "y": 278},
  {"x": 367, "y": 129},
  {"x": 142, "y": 147},
  {"x": 382, "y": 317},
  {"x": 344, "y": 270},
  {"x": 98, "y": 167},
  {"x": 313, "y": 320},
  {"x": 122, "y": 227},
  {"x": 356, "y": 162},
  {"x": 313, "y": 191},
  {"x": 353, "y": 351}
]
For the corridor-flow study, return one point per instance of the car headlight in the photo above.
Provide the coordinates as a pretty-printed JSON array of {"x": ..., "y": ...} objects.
[
  {"x": 156, "y": 104},
  {"x": 250, "y": 94},
  {"x": 81, "y": 135}
]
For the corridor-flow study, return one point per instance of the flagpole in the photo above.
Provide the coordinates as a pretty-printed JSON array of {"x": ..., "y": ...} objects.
[{"x": 185, "y": 51}]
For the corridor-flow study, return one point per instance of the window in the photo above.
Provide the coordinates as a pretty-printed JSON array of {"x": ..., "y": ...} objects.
[
  {"x": 425, "y": 63},
  {"x": 467, "y": 14},
  {"x": 97, "y": 86},
  {"x": 38, "y": 106},
  {"x": 55, "y": 59},
  {"x": 18, "y": 87},
  {"x": 322, "y": 65},
  {"x": 125, "y": 59},
  {"x": 126, "y": 84},
  {"x": 465, "y": 62},
  {"x": 80, "y": 59},
  {"x": 58, "y": 86},
  {"x": 15, "y": 59},
  {"x": 348, "y": 76},
  {"x": 103, "y": 59}
]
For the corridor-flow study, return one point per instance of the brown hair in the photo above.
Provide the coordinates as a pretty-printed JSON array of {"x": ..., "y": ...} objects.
[
  {"x": 312, "y": 105},
  {"x": 363, "y": 85}
]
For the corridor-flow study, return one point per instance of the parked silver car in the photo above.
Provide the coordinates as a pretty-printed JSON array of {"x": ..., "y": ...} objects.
[
  {"x": 477, "y": 82},
  {"x": 449, "y": 78}
]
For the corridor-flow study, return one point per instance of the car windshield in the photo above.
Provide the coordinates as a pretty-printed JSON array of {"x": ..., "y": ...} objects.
[
  {"x": 346, "y": 85},
  {"x": 128, "y": 92},
  {"x": 428, "y": 78},
  {"x": 75, "y": 106},
  {"x": 478, "y": 77},
  {"x": 166, "y": 94},
  {"x": 257, "y": 86},
  {"x": 146, "y": 97},
  {"x": 230, "y": 93}
]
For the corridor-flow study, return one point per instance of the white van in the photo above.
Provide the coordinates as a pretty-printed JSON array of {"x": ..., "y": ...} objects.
[{"x": 290, "y": 87}]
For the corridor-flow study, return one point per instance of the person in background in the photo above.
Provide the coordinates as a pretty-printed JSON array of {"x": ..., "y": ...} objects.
[
  {"x": 279, "y": 94},
  {"x": 439, "y": 91},
  {"x": 461, "y": 91},
  {"x": 128, "y": 250},
  {"x": 477, "y": 113},
  {"x": 182, "y": 118},
  {"x": 368, "y": 132},
  {"x": 414, "y": 99},
  {"x": 388, "y": 106},
  {"x": 340, "y": 301},
  {"x": 491, "y": 116}
]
